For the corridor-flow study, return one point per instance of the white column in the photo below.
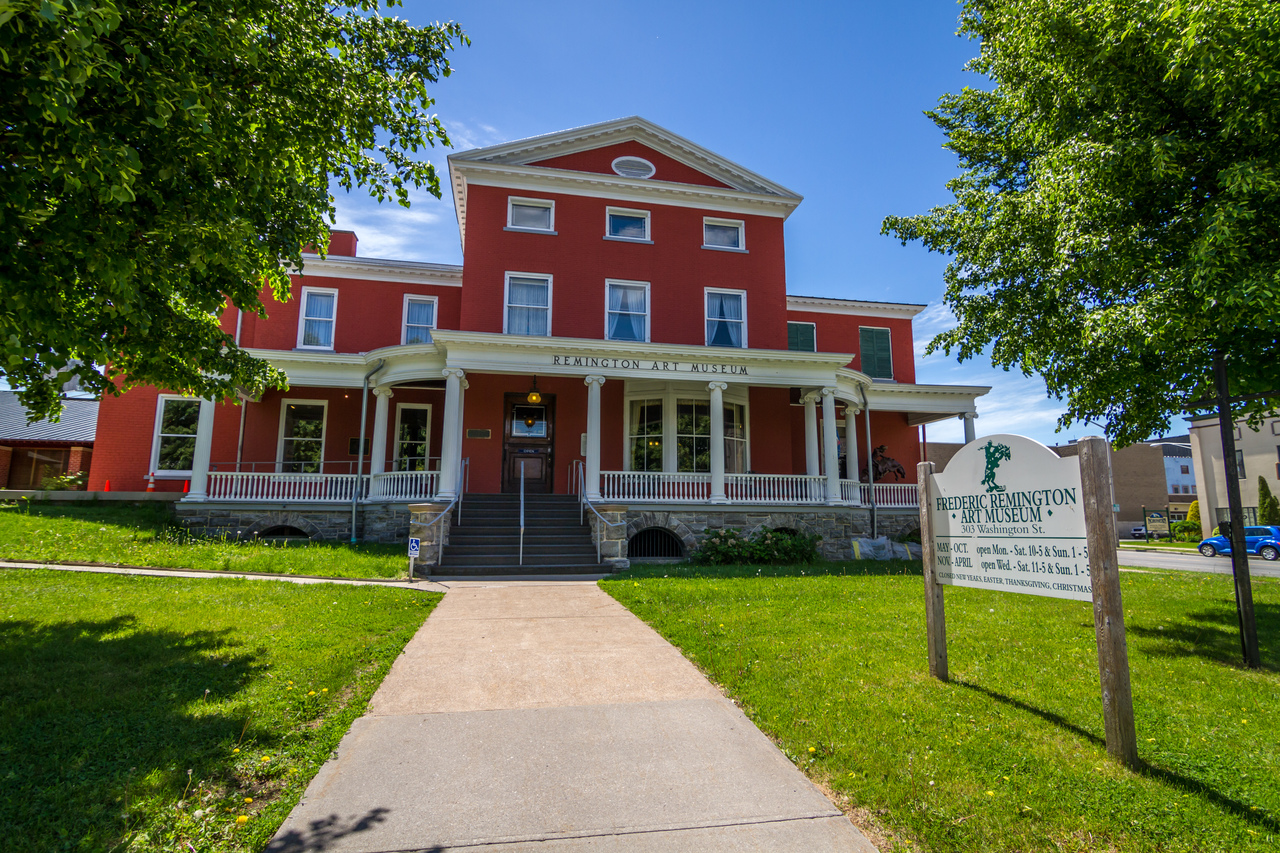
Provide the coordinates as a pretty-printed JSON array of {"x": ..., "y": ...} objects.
[
  {"x": 378, "y": 447},
  {"x": 592, "y": 484},
  {"x": 811, "y": 435},
  {"x": 462, "y": 433},
  {"x": 969, "y": 433},
  {"x": 204, "y": 448},
  {"x": 451, "y": 441},
  {"x": 830, "y": 453},
  {"x": 717, "y": 441},
  {"x": 850, "y": 443}
]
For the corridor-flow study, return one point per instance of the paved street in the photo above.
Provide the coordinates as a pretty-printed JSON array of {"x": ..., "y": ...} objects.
[{"x": 1193, "y": 562}]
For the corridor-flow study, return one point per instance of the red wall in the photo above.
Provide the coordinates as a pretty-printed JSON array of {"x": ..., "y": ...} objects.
[
  {"x": 370, "y": 314},
  {"x": 601, "y": 160},
  {"x": 839, "y": 333},
  {"x": 580, "y": 259}
]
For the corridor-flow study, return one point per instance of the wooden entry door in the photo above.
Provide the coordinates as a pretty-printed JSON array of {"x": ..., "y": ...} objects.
[{"x": 528, "y": 436}]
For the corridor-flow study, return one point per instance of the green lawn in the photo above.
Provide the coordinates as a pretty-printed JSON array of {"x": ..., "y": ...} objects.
[
  {"x": 145, "y": 535},
  {"x": 144, "y": 713},
  {"x": 1010, "y": 755}
]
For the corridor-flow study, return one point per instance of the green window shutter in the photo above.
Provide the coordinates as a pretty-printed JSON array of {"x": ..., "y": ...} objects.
[
  {"x": 800, "y": 337},
  {"x": 877, "y": 357}
]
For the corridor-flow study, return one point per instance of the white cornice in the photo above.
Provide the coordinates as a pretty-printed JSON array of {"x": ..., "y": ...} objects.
[
  {"x": 855, "y": 307},
  {"x": 377, "y": 269},
  {"x": 632, "y": 128}
]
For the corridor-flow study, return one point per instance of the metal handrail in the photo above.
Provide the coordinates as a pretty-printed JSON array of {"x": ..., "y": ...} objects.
[
  {"x": 522, "y": 512},
  {"x": 584, "y": 503},
  {"x": 457, "y": 499}
]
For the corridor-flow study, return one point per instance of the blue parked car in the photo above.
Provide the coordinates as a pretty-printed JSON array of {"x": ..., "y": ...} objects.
[{"x": 1262, "y": 541}]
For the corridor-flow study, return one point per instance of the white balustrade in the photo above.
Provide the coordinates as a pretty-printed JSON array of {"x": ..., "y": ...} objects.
[
  {"x": 775, "y": 489},
  {"x": 403, "y": 485},
  {"x": 654, "y": 486},
  {"x": 292, "y": 488},
  {"x": 888, "y": 495}
]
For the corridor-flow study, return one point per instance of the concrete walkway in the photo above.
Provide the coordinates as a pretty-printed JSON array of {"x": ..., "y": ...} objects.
[{"x": 537, "y": 716}]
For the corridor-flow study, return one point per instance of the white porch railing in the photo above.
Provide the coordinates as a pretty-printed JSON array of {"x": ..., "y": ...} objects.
[
  {"x": 888, "y": 495},
  {"x": 294, "y": 488},
  {"x": 654, "y": 486},
  {"x": 403, "y": 485},
  {"x": 775, "y": 489}
]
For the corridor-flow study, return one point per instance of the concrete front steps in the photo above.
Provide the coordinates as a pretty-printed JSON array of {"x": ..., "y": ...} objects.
[{"x": 488, "y": 540}]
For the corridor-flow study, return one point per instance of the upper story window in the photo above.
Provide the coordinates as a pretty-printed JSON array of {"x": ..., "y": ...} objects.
[
  {"x": 531, "y": 214},
  {"x": 633, "y": 167},
  {"x": 419, "y": 319},
  {"x": 623, "y": 224},
  {"x": 302, "y": 436},
  {"x": 726, "y": 318},
  {"x": 877, "y": 355},
  {"x": 723, "y": 234},
  {"x": 627, "y": 311},
  {"x": 315, "y": 323},
  {"x": 528, "y": 310},
  {"x": 802, "y": 337},
  {"x": 175, "y": 440}
]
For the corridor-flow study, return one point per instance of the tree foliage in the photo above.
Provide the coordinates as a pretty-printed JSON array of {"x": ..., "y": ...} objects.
[
  {"x": 1116, "y": 221},
  {"x": 1193, "y": 514},
  {"x": 164, "y": 159},
  {"x": 1268, "y": 504}
]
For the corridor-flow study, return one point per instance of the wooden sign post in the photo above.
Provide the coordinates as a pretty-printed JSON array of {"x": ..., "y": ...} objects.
[{"x": 1010, "y": 515}]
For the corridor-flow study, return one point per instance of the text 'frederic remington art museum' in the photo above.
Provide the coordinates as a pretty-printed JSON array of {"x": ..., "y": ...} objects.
[{"x": 620, "y": 327}]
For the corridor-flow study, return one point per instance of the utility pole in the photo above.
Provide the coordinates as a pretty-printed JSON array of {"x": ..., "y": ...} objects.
[{"x": 1239, "y": 556}]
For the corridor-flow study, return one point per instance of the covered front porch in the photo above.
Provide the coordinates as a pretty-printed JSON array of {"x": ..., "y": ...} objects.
[{"x": 639, "y": 425}]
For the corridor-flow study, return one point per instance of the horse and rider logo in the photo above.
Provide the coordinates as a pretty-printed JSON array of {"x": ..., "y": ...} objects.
[{"x": 996, "y": 453}]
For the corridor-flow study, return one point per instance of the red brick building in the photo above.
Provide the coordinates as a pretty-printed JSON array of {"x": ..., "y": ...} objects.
[{"x": 636, "y": 280}]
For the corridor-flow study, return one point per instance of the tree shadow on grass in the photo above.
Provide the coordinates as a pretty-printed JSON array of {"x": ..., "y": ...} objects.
[
  {"x": 95, "y": 715},
  {"x": 821, "y": 569},
  {"x": 144, "y": 515},
  {"x": 1172, "y": 778},
  {"x": 1212, "y": 634}
]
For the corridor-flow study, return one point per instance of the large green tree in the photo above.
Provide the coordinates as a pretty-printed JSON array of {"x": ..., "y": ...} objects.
[
  {"x": 162, "y": 158},
  {"x": 1116, "y": 224}
]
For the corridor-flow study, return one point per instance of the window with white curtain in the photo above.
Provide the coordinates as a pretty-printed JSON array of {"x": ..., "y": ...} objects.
[
  {"x": 419, "y": 319},
  {"x": 627, "y": 311},
  {"x": 528, "y": 305},
  {"x": 315, "y": 323},
  {"x": 726, "y": 318},
  {"x": 531, "y": 214}
]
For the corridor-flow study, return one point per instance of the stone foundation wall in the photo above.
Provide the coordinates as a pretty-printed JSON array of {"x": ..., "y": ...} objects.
[
  {"x": 837, "y": 526},
  {"x": 374, "y": 522},
  {"x": 433, "y": 532}
]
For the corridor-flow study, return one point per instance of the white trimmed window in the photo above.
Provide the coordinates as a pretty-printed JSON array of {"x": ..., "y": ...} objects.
[
  {"x": 419, "y": 319},
  {"x": 644, "y": 435},
  {"x": 317, "y": 317},
  {"x": 622, "y": 224},
  {"x": 876, "y": 351},
  {"x": 668, "y": 428},
  {"x": 726, "y": 317},
  {"x": 627, "y": 311},
  {"x": 413, "y": 437},
  {"x": 301, "y": 448},
  {"x": 531, "y": 214},
  {"x": 174, "y": 446},
  {"x": 723, "y": 234},
  {"x": 528, "y": 305}
]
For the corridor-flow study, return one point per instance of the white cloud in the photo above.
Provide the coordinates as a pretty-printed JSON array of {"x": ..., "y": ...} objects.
[{"x": 426, "y": 231}]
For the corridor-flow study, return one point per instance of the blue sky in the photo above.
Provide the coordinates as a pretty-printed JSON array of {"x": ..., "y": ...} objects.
[{"x": 824, "y": 98}]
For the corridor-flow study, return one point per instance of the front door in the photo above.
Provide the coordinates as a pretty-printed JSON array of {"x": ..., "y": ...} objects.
[{"x": 528, "y": 434}]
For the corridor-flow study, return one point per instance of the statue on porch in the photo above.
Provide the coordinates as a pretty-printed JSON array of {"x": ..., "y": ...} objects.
[{"x": 884, "y": 466}]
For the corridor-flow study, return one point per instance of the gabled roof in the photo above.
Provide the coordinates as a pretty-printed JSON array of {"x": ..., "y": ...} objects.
[
  {"x": 508, "y": 164},
  {"x": 79, "y": 421}
]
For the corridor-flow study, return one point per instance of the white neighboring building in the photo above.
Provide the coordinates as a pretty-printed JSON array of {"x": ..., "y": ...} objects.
[{"x": 1257, "y": 454}]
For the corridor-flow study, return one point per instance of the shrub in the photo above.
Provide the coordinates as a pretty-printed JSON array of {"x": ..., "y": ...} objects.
[
  {"x": 65, "y": 482},
  {"x": 1268, "y": 505},
  {"x": 912, "y": 535},
  {"x": 1193, "y": 514},
  {"x": 1186, "y": 530},
  {"x": 773, "y": 547}
]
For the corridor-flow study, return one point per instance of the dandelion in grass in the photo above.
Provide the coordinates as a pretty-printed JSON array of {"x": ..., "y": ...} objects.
[
  {"x": 266, "y": 758},
  {"x": 311, "y": 693},
  {"x": 242, "y": 820}
]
